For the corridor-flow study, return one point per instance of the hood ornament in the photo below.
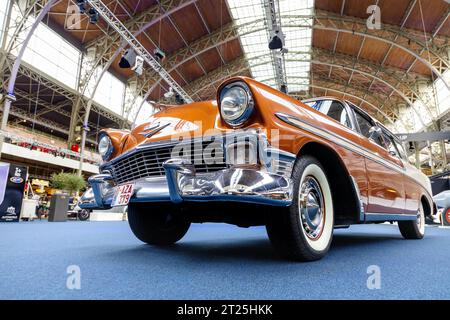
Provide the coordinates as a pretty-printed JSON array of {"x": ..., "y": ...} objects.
[{"x": 152, "y": 129}]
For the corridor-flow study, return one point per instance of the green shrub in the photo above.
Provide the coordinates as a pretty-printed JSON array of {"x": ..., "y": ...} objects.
[{"x": 69, "y": 182}]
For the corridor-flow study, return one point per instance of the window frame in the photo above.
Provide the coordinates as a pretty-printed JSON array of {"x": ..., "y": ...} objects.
[
  {"x": 355, "y": 110},
  {"x": 401, "y": 154},
  {"x": 346, "y": 108},
  {"x": 386, "y": 136},
  {"x": 315, "y": 104}
]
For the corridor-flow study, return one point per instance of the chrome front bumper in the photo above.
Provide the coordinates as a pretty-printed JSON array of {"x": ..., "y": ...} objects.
[{"x": 181, "y": 183}]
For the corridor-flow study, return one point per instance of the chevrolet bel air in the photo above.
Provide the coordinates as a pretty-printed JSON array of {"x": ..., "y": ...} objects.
[{"x": 255, "y": 156}]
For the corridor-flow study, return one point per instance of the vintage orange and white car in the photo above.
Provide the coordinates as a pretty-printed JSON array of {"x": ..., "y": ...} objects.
[{"x": 256, "y": 156}]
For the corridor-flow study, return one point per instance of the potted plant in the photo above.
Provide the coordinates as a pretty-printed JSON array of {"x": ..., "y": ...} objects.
[{"x": 68, "y": 184}]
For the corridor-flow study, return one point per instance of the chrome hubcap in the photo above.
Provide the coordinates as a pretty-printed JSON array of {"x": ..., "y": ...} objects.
[{"x": 312, "y": 210}]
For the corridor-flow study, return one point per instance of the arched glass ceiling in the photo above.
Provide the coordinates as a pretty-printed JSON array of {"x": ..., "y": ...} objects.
[{"x": 297, "y": 39}]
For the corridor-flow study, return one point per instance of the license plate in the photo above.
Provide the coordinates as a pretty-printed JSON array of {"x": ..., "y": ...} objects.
[{"x": 122, "y": 195}]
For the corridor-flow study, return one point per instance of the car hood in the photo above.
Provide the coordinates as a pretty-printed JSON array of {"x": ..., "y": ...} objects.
[{"x": 174, "y": 122}]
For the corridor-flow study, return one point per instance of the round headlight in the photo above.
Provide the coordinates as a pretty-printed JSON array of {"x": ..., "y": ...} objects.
[
  {"x": 105, "y": 147},
  {"x": 236, "y": 103}
]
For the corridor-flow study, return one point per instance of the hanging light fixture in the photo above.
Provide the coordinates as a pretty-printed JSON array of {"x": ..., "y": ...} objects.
[
  {"x": 81, "y": 6},
  {"x": 93, "y": 16}
]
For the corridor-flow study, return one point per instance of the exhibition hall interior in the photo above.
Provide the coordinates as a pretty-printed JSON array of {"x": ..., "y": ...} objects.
[{"x": 224, "y": 149}]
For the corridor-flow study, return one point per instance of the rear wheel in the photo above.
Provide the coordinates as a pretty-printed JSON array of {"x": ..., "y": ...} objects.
[
  {"x": 157, "y": 224},
  {"x": 413, "y": 229},
  {"x": 446, "y": 217},
  {"x": 304, "y": 231}
]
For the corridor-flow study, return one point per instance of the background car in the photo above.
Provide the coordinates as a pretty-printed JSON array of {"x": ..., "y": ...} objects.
[{"x": 442, "y": 201}]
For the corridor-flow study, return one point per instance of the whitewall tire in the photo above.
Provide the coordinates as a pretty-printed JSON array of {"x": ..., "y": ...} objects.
[
  {"x": 414, "y": 229},
  {"x": 305, "y": 230}
]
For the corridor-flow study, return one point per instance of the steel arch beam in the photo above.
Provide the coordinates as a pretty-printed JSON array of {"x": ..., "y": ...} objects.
[
  {"x": 425, "y": 62},
  {"x": 350, "y": 95},
  {"x": 240, "y": 65},
  {"x": 18, "y": 61},
  {"x": 147, "y": 18},
  {"x": 237, "y": 66},
  {"x": 59, "y": 89},
  {"x": 103, "y": 47},
  {"x": 410, "y": 103},
  {"x": 216, "y": 39},
  {"x": 387, "y": 35},
  {"x": 292, "y": 22},
  {"x": 342, "y": 86}
]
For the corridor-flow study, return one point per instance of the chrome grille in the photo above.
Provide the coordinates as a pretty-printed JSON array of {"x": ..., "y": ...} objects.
[
  {"x": 283, "y": 167},
  {"x": 147, "y": 162}
]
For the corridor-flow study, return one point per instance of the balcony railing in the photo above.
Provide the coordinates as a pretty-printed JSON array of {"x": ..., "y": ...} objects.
[{"x": 36, "y": 145}]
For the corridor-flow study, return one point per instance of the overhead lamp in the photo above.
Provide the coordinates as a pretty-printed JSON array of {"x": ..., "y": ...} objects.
[
  {"x": 93, "y": 16},
  {"x": 276, "y": 42},
  {"x": 159, "y": 54},
  {"x": 139, "y": 65},
  {"x": 169, "y": 94},
  {"x": 179, "y": 99},
  {"x": 128, "y": 59},
  {"x": 81, "y": 6}
]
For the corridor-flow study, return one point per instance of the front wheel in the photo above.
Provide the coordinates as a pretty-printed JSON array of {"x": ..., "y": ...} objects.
[
  {"x": 413, "y": 229},
  {"x": 157, "y": 224},
  {"x": 83, "y": 214},
  {"x": 304, "y": 230}
]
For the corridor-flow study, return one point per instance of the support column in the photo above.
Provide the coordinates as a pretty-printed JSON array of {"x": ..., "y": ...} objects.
[
  {"x": 443, "y": 153},
  {"x": 417, "y": 154},
  {"x": 431, "y": 158}
]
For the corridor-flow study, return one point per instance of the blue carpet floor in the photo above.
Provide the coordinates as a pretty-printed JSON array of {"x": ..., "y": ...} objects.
[{"x": 216, "y": 261}]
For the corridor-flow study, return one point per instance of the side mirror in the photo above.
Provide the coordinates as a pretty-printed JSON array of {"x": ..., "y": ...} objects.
[{"x": 375, "y": 133}]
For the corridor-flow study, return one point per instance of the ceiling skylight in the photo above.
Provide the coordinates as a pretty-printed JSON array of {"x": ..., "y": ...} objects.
[{"x": 297, "y": 32}]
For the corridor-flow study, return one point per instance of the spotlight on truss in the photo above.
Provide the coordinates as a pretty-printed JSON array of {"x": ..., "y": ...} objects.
[
  {"x": 169, "y": 94},
  {"x": 179, "y": 99},
  {"x": 159, "y": 54},
  {"x": 93, "y": 16},
  {"x": 139, "y": 65},
  {"x": 276, "y": 42},
  {"x": 81, "y": 5},
  {"x": 128, "y": 59}
]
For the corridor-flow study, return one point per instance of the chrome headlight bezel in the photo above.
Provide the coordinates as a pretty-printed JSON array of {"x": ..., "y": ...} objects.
[
  {"x": 105, "y": 143},
  {"x": 242, "y": 117}
]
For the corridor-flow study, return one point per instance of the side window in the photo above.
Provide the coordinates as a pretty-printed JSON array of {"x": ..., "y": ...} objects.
[
  {"x": 336, "y": 111},
  {"x": 365, "y": 126}
]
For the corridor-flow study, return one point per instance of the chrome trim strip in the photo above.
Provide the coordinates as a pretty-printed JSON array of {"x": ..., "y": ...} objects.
[
  {"x": 343, "y": 142},
  {"x": 348, "y": 144},
  {"x": 379, "y": 217},
  {"x": 153, "y": 131}
]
